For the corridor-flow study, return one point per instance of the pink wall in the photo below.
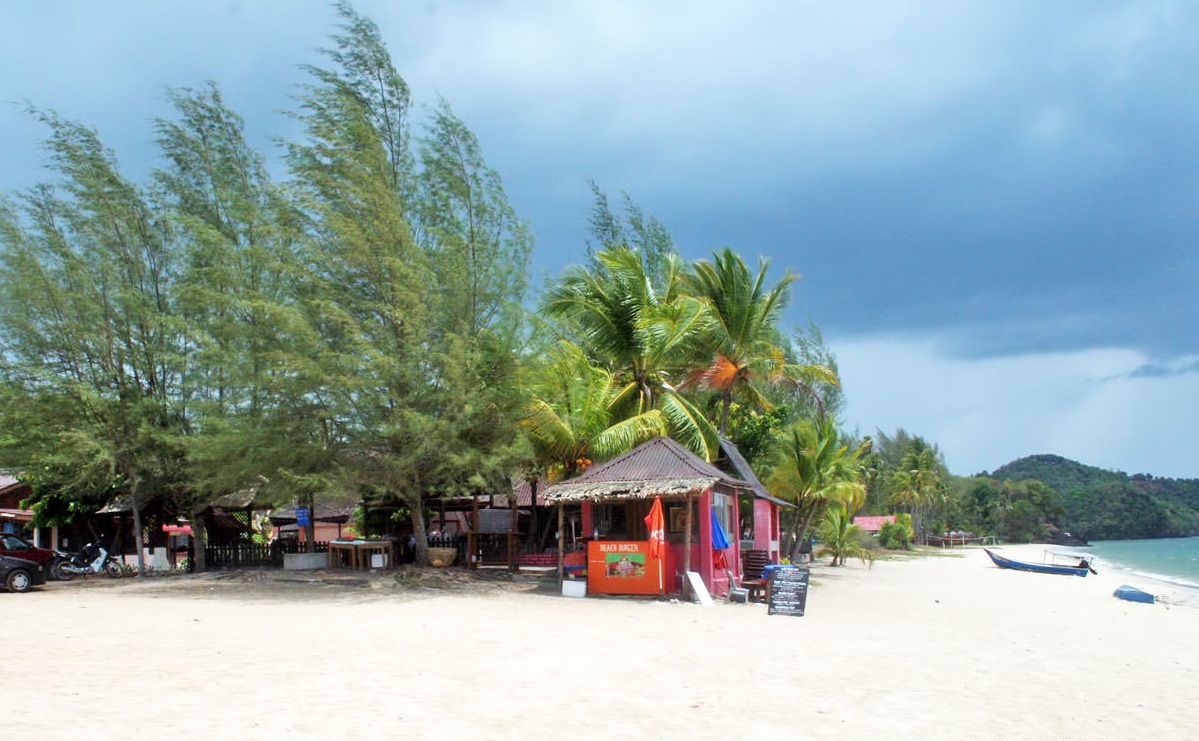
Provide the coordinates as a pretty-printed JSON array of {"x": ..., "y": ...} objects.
[
  {"x": 767, "y": 523},
  {"x": 766, "y": 528}
]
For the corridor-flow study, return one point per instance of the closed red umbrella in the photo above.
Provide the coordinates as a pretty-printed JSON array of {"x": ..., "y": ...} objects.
[{"x": 656, "y": 524}]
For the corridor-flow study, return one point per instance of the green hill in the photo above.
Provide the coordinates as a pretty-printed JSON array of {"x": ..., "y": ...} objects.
[{"x": 1110, "y": 505}]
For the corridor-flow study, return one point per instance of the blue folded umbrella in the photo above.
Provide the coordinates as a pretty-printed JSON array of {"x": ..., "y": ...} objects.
[{"x": 720, "y": 541}]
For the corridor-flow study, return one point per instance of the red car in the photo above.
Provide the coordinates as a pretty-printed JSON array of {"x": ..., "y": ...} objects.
[{"x": 11, "y": 545}]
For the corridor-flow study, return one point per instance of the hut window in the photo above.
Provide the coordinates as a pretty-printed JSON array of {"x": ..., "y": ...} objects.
[
  {"x": 720, "y": 505},
  {"x": 610, "y": 520}
]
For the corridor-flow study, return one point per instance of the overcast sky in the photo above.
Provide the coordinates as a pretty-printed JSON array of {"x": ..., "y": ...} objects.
[{"x": 994, "y": 205}]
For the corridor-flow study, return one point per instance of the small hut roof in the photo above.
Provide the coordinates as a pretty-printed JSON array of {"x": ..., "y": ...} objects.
[
  {"x": 523, "y": 491},
  {"x": 321, "y": 514},
  {"x": 116, "y": 506},
  {"x": 12, "y": 491},
  {"x": 9, "y": 481},
  {"x": 237, "y": 499},
  {"x": 872, "y": 523},
  {"x": 16, "y": 515},
  {"x": 738, "y": 463},
  {"x": 658, "y": 468}
]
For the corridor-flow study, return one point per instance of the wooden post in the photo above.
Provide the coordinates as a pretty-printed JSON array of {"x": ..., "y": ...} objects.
[
  {"x": 561, "y": 541},
  {"x": 513, "y": 531},
  {"x": 472, "y": 537},
  {"x": 309, "y": 529},
  {"x": 686, "y": 543},
  {"x": 533, "y": 524}
]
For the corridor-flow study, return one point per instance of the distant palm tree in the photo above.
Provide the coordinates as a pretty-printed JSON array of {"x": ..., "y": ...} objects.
[
  {"x": 839, "y": 537},
  {"x": 813, "y": 468},
  {"x": 918, "y": 483},
  {"x": 641, "y": 333},
  {"x": 741, "y": 345}
]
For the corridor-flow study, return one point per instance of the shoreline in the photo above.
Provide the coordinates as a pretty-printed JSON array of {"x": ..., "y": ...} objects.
[
  {"x": 1170, "y": 590},
  {"x": 1184, "y": 587},
  {"x": 929, "y": 646}
]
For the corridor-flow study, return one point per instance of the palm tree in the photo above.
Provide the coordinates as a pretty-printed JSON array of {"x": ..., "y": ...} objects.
[
  {"x": 839, "y": 537},
  {"x": 641, "y": 333},
  {"x": 571, "y": 420},
  {"x": 741, "y": 348},
  {"x": 918, "y": 482},
  {"x": 812, "y": 468}
]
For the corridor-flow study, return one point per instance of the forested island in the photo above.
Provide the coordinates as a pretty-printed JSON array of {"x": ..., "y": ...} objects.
[{"x": 1110, "y": 505}]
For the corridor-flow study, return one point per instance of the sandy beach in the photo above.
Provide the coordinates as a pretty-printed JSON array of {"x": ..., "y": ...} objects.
[{"x": 936, "y": 647}]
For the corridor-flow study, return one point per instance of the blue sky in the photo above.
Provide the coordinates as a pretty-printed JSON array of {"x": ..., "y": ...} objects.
[{"x": 994, "y": 205}]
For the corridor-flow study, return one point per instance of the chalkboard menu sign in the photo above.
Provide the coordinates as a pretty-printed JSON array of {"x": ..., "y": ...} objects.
[{"x": 788, "y": 591}]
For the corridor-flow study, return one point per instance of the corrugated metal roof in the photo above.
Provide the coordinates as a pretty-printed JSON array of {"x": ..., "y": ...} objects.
[
  {"x": 738, "y": 463},
  {"x": 660, "y": 458},
  {"x": 322, "y": 514},
  {"x": 660, "y": 467},
  {"x": 872, "y": 523},
  {"x": 524, "y": 492}
]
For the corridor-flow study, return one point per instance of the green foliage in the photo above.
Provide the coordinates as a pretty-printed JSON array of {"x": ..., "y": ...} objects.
[
  {"x": 418, "y": 386},
  {"x": 896, "y": 535},
  {"x": 739, "y": 348},
  {"x": 480, "y": 248},
  {"x": 358, "y": 331},
  {"x": 642, "y": 333},
  {"x": 571, "y": 419},
  {"x": 754, "y": 431},
  {"x": 90, "y": 332},
  {"x": 818, "y": 393},
  {"x": 840, "y": 538},
  {"x": 236, "y": 234},
  {"x": 1107, "y": 505},
  {"x": 637, "y": 230},
  {"x": 225, "y": 332},
  {"x": 917, "y": 482},
  {"x": 813, "y": 467}
]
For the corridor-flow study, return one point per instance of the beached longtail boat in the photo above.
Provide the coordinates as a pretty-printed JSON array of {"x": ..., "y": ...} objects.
[{"x": 1042, "y": 568}]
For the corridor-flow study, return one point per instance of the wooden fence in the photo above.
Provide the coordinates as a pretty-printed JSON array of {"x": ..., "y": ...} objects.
[
  {"x": 492, "y": 551},
  {"x": 457, "y": 542},
  {"x": 246, "y": 555}
]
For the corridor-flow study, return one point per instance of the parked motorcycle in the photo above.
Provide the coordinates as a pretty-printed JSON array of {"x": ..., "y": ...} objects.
[{"x": 91, "y": 559}]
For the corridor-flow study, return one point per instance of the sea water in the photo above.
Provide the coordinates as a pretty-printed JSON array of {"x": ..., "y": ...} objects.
[{"x": 1170, "y": 563}]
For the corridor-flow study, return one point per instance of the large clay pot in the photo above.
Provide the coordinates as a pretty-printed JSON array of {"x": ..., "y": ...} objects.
[{"x": 442, "y": 556}]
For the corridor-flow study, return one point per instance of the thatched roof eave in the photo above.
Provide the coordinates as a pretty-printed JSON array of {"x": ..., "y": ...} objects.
[{"x": 593, "y": 491}]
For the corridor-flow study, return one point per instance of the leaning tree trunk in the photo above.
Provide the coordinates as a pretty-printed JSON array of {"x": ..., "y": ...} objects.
[
  {"x": 799, "y": 533},
  {"x": 137, "y": 536}
]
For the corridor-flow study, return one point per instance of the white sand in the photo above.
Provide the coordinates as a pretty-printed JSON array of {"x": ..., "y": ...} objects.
[{"x": 928, "y": 648}]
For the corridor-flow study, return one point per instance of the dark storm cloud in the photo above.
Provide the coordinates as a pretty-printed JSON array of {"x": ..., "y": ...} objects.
[{"x": 1012, "y": 184}]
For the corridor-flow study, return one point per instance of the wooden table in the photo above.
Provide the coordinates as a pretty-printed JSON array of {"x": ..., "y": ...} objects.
[
  {"x": 356, "y": 554},
  {"x": 756, "y": 588}
]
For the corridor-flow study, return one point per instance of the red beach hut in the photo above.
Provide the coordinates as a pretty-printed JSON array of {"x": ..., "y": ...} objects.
[{"x": 614, "y": 500}]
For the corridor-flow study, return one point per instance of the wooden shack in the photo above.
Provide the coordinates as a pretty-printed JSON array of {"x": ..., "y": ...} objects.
[{"x": 602, "y": 512}]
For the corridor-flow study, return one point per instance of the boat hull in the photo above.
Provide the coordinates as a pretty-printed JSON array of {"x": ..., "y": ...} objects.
[
  {"x": 1132, "y": 594},
  {"x": 1039, "y": 568}
]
